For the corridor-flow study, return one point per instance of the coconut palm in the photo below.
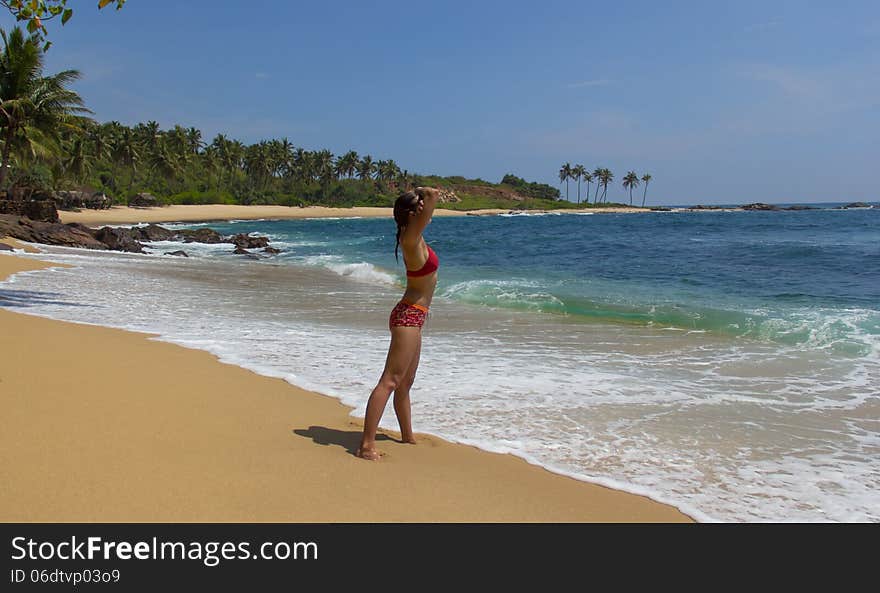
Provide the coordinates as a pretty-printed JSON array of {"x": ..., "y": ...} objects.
[
  {"x": 606, "y": 177},
  {"x": 647, "y": 179},
  {"x": 565, "y": 175},
  {"x": 597, "y": 175},
  {"x": 126, "y": 152},
  {"x": 365, "y": 168},
  {"x": 34, "y": 109},
  {"x": 630, "y": 181},
  {"x": 194, "y": 140},
  {"x": 577, "y": 172},
  {"x": 588, "y": 177}
]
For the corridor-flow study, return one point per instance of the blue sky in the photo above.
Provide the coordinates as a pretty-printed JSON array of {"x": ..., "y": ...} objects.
[{"x": 722, "y": 102}]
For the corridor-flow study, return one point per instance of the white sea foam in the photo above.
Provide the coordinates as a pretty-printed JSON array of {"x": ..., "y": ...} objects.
[{"x": 729, "y": 430}]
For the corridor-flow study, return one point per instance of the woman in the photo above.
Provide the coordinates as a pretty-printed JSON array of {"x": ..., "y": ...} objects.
[{"x": 412, "y": 213}]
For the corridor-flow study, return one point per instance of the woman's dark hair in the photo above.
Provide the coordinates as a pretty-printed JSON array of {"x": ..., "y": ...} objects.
[{"x": 405, "y": 204}]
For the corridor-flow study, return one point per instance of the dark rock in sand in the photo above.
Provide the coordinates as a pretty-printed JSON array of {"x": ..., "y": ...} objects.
[
  {"x": 241, "y": 251},
  {"x": 49, "y": 233},
  {"x": 760, "y": 206},
  {"x": 178, "y": 253},
  {"x": 120, "y": 239},
  {"x": 5, "y": 247},
  {"x": 203, "y": 235},
  {"x": 143, "y": 200},
  {"x": 248, "y": 242},
  {"x": 271, "y": 250}
]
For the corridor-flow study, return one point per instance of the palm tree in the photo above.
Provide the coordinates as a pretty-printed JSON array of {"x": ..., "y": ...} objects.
[
  {"x": 127, "y": 152},
  {"x": 606, "y": 177},
  {"x": 588, "y": 177},
  {"x": 194, "y": 140},
  {"x": 365, "y": 168},
  {"x": 630, "y": 181},
  {"x": 597, "y": 175},
  {"x": 33, "y": 108},
  {"x": 565, "y": 175},
  {"x": 78, "y": 162},
  {"x": 577, "y": 172},
  {"x": 647, "y": 179},
  {"x": 347, "y": 164}
]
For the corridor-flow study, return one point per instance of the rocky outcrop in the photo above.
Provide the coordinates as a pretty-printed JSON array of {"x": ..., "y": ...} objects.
[
  {"x": 203, "y": 235},
  {"x": 33, "y": 207},
  {"x": 154, "y": 232},
  {"x": 49, "y": 233},
  {"x": 121, "y": 238},
  {"x": 448, "y": 195},
  {"x": 854, "y": 205},
  {"x": 247, "y": 242},
  {"x": 799, "y": 208},
  {"x": 702, "y": 207},
  {"x": 760, "y": 206},
  {"x": 143, "y": 200}
]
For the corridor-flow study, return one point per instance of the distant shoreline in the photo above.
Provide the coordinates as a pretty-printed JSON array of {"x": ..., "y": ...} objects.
[
  {"x": 219, "y": 212},
  {"x": 222, "y": 212}
]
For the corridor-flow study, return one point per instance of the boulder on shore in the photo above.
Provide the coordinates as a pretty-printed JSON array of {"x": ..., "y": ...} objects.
[
  {"x": 760, "y": 206},
  {"x": 120, "y": 239},
  {"x": 247, "y": 242},
  {"x": 203, "y": 235},
  {"x": 49, "y": 233}
]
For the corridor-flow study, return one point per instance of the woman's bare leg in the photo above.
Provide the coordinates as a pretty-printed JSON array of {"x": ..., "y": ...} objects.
[
  {"x": 405, "y": 342},
  {"x": 401, "y": 398}
]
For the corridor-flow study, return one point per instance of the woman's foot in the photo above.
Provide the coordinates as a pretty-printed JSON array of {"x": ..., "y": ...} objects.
[
  {"x": 408, "y": 439},
  {"x": 368, "y": 453}
]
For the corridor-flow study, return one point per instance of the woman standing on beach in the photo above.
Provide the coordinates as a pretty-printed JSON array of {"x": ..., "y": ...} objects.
[{"x": 412, "y": 213}]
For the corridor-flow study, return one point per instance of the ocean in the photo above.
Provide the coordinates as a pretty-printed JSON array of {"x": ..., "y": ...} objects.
[{"x": 727, "y": 363}]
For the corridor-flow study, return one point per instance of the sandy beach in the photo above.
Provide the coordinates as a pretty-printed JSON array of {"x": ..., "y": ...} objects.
[
  {"x": 101, "y": 424},
  {"x": 211, "y": 212}
]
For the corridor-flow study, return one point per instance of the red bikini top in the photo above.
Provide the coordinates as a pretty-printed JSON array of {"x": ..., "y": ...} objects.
[{"x": 430, "y": 266}]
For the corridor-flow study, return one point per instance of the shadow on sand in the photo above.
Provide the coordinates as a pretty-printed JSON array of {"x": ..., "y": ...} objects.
[{"x": 349, "y": 440}]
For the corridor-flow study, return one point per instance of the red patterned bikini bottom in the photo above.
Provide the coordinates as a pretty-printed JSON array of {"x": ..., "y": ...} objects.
[{"x": 407, "y": 314}]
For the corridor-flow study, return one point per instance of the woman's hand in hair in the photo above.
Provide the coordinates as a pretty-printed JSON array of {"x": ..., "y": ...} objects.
[{"x": 428, "y": 192}]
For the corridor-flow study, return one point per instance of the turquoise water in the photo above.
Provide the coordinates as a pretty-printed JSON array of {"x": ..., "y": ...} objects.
[
  {"x": 765, "y": 275},
  {"x": 724, "y": 362}
]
